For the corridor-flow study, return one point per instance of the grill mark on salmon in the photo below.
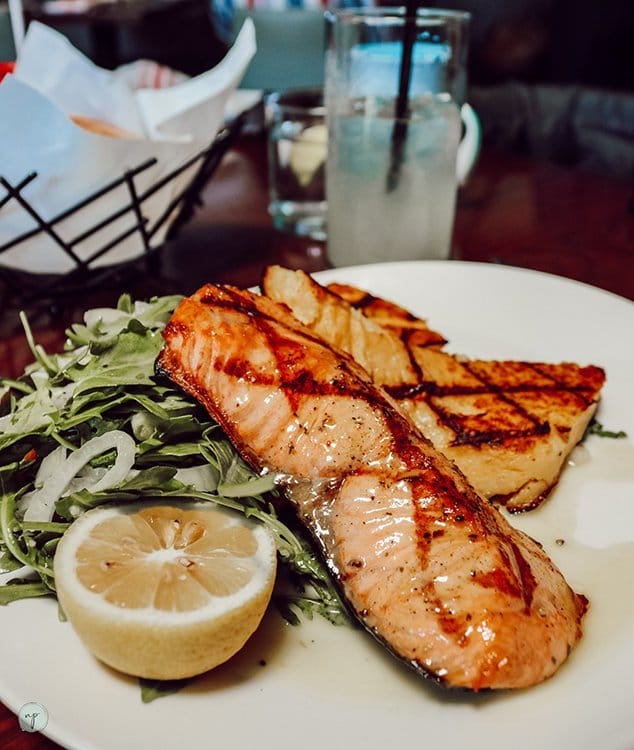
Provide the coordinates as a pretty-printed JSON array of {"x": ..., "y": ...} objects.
[{"x": 430, "y": 569}]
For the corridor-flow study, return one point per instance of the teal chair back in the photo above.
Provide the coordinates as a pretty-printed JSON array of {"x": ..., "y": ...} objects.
[
  {"x": 7, "y": 48},
  {"x": 290, "y": 48}
]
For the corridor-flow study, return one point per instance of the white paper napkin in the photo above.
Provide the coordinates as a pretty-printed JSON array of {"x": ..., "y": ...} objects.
[{"x": 53, "y": 81}]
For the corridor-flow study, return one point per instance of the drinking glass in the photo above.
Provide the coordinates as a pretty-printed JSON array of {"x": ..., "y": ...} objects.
[
  {"x": 396, "y": 153},
  {"x": 297, "y": 147}
]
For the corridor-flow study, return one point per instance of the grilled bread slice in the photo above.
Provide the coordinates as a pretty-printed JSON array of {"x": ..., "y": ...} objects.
[{"x": 509, "y": 426}]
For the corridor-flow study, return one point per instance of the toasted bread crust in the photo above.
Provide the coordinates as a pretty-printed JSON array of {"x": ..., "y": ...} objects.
[{"x": 412, "y": 330}]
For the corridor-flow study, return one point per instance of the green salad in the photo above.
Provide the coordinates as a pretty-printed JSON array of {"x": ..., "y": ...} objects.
[{"x": 93, "y": 425}]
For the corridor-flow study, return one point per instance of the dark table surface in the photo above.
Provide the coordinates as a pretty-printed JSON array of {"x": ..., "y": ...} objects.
[{"x": 515, "y": 211}]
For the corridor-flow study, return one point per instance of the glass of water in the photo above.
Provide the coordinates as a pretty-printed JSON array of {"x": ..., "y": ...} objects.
[
  {"x": 297, "y": 150},
  {"x": 392, "y": 170}
]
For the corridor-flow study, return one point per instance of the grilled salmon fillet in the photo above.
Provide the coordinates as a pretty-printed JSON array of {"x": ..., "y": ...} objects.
[
  {"x": 509, "y": 426},
  {"x": 432, "y": 570}
]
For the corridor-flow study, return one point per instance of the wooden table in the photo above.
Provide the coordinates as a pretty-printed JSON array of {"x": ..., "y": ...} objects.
[{"x": 515, "y": 211}]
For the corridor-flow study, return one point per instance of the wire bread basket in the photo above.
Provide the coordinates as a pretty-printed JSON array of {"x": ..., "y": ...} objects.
[{"x": 20, "y": 288}]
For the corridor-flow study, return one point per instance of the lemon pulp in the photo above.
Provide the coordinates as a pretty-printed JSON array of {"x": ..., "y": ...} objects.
[{"x": 164, "y": 591}]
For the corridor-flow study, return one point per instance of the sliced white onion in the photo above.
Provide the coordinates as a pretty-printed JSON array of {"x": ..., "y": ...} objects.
[
  {"x": 25, "y": 571},
  {"x": 202, "y": 478},
  {"x": 104, "y": 315},
  {"x": 56, "y": 472}
]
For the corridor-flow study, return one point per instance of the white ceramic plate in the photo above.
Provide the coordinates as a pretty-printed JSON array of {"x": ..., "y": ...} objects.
[{"x": 318, "y": 686}]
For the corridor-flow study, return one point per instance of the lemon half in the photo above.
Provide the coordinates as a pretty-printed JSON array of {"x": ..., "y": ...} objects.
[
  {"x": 164, "y": 591},
  {"x": 308, "y": 153}
]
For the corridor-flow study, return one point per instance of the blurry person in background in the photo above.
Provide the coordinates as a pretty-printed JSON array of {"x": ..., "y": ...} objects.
[
  {"x": 584, "y": 42},
  {"x": 182, "y": 37},
  {"x": 553, "y": 78}
]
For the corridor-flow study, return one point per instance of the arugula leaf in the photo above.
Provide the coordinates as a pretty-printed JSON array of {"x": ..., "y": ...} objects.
[
  {"x": 7, "y": 561},
  {"x": 153, "y": 689},
  {"x": 128, "y": 361},
  {"x": 15, "y": 590},
  {"x": 596, "y": 428}
]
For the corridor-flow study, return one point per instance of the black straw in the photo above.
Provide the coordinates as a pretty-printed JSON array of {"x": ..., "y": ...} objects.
[{"x": 401, "y": 109}]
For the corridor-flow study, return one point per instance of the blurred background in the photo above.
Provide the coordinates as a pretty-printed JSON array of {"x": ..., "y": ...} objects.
[{"x": 553, "y": 78}]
